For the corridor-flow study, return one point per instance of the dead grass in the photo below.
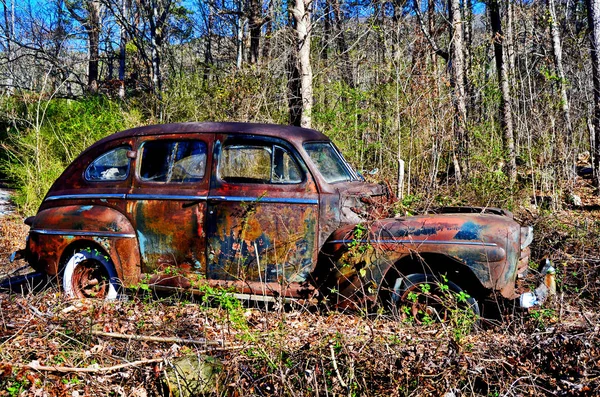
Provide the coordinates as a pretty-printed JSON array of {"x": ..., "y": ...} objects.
[
  {"x": 12, "y": 238},
  {"x": 51, "y": 346}
]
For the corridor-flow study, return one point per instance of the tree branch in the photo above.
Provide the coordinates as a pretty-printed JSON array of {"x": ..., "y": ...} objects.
[
  {"x": 442, "y": 53},
  {"x": 158, "y": 338}
]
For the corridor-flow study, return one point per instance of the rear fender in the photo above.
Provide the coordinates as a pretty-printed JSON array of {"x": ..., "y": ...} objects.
[{"x": 56, "y": 232}]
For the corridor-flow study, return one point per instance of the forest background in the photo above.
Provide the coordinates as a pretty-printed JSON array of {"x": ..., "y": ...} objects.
[
  {"x": 493, "y": 103},
  {"x": 486, "y": 103}
]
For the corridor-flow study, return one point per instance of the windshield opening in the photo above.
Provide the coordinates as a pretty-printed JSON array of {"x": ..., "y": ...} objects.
[{"x": 329, "y": 162}]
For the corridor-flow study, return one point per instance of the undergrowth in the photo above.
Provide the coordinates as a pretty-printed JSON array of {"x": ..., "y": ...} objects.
[
  {"x": 47, "y": 135},
  {"x": 300, "y": 351}
]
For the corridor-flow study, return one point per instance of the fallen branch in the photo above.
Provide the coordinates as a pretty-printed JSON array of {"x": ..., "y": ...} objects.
[
  {"x": 51, "y": 368},
  {"x": 335, "y": 367},
  {"x": 158, "y": 338},
  {"x": 38, "y": 367}
]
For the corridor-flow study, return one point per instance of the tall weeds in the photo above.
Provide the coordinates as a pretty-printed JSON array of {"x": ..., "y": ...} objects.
[{"x": 44, "y": 135}]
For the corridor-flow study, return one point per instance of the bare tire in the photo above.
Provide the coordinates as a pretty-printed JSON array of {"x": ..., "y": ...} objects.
[
  {"x": 90, "y": 274},
  {"x": 427, "y": 298}
]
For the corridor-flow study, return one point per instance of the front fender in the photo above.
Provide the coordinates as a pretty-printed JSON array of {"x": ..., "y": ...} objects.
[{"x": 480, "y": 245}]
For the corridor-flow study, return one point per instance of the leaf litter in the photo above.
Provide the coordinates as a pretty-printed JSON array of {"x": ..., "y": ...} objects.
[{"x": 50, "y": 346}]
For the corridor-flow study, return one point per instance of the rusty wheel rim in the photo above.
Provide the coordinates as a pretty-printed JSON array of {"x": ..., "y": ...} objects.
[{"x": 90, "y": 280}]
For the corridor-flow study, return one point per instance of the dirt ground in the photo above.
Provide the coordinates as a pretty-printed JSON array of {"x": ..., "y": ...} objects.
[{"x": 141, "y": 346}]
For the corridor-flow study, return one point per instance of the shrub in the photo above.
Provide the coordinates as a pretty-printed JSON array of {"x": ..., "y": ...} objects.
[{"x": 49, "y": 135}]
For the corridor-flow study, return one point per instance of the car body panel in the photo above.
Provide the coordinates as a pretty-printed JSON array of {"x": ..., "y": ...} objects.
[
  {"x": 485, "y": 246},
  {"x": 169, "y": 218},
  {"x": 56, "y": 229}
]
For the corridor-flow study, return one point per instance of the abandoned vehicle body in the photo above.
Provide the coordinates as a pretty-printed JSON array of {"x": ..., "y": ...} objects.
[{"x": 265, "y": 210}]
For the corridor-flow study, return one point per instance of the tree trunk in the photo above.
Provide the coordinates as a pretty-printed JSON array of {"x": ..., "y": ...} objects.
[
  {"x": 157, "y": 12},
  {"x": 558, "y": 65},
  {"x": 593, "y": 11},
  {"x": 255, "y": 22},
  {"x": 301, "y": 14},
  {"x": 239, "y": 35},
  {"x": 208, "y": 57},
  {"x": 327, "y": 33},
  {"x": 93, "y": 31},
  {"x": 294, "y": 89},
  {"x": 122, "y": 50},
  {"x": 9, "y": 22},
  {"x": 266, "y": 50},
  {"x": 505, "y": 103},
  {"x": 155, "y": 42},
  {"x": 459, "y": 96},
  {"x": 509, "y": 37},
  {"x": 293, "y": 81},
  {"x": 90, "y": 21},
  {"x": 468, "y": 45},
  {"x": 342, "y": 47}
]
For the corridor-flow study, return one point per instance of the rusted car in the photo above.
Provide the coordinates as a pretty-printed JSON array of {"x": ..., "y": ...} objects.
[{"x": 267, "y": 211}]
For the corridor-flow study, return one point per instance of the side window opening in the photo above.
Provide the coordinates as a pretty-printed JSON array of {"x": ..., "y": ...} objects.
[
  {"x": 173, "y": 161},
  {"x": 258, "y": 164},
  {"x": 110, "y": 166},
  {"x": 285, "y": 169}
]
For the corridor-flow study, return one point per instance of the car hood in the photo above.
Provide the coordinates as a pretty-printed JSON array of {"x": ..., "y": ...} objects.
[{"x": 360, "y": 202}]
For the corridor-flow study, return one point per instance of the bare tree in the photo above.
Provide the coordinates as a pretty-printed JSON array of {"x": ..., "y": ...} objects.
[
  {"x": 342, "y": 47},
  {"x": 8, "y": 33},
  {"x": 255, "y": 24},
  {"x": 301, "y": 13},
  {"x": 593, "y": 10},
  {"x": 503, "y": 81},
  {"x": 460, "y": 104},
  {"x": 87, "y": 13},
  {"x": 558, "y": 66},
  {"x": 125, "y": 5},
  {"x": 456, "y": 62},
  {"x": 149, "y": 35},
  {"x": 157, "y": 14}
]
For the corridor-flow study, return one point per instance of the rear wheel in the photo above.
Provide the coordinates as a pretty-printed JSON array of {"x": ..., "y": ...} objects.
[
  {"x": 90, "y": 274},
  {"x": 425, "y": 298}
]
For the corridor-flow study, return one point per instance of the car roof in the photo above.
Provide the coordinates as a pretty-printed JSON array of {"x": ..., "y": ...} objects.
[{"x": 290, "y": 133}]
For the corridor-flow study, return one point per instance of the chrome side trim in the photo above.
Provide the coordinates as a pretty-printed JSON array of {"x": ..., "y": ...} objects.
[
  {"x": 282, "y": 200},
  {"x": 164, "y": 197},
  {"x": 82, "y": 233},
  {"x": 435, "y": 242},
  {"x": 86, "y": 196}
]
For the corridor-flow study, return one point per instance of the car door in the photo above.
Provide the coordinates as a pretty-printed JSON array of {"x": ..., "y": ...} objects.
[
  {"x": 168, "y": 203},
  {"x": 262, "y": 215}
]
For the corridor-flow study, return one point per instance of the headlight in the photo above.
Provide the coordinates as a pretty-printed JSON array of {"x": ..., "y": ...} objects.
[{"x": 526, "y": 236}]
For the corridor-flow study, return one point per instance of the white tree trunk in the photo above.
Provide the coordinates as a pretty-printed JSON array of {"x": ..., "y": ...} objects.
[
  {"x": 558, "y": 64},
  {"x": 458, "y": 77},
  {"x": 122, "y": 50},
  {"x": 302, "y": 16},
  {"x": 593, "y": 8},
  {"x": 503, "y": 81},
  {"x": 241, "y": 23}
]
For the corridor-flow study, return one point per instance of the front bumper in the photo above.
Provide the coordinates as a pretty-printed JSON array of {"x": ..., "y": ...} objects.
[{"x": 544, "y": 290}]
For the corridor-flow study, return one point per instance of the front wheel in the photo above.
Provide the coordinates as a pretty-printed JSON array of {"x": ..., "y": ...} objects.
[
  {"x": 90, "y": 274},
  {"x": 426, "y": 298}
]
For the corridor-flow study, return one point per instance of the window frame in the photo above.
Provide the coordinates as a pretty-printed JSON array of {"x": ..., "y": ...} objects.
[
  {"x": 354, "y": 175},
  {"x": 265, "y": 144},
  {"x": 140, "y": 158},
  {"x": 86, "y": 172}
]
